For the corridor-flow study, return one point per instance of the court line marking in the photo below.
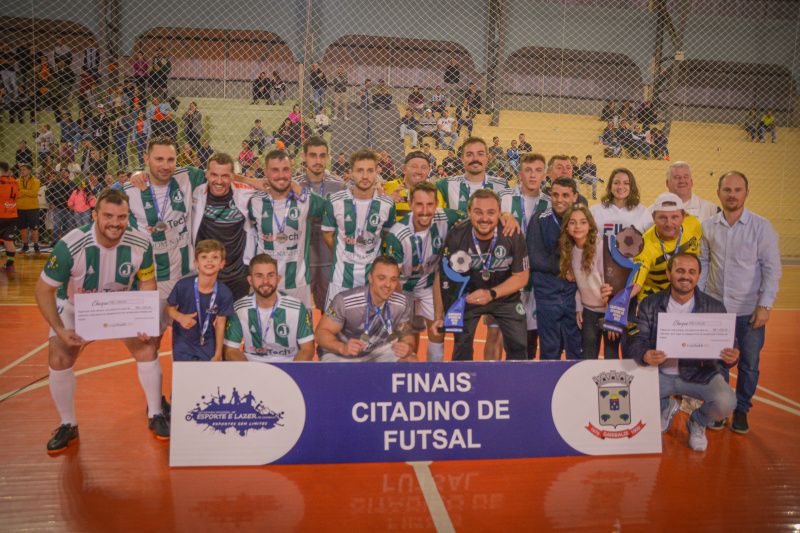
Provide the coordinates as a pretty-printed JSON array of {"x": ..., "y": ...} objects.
[
  {"x": 17, "y": 305},
  {"x": 433, "y": 499},
  {"x": 772, "y": 392},
  {"x": 91, "y": 369},
  {"x": 780, "y": 406},
  {"x": 28, "y": 355}
]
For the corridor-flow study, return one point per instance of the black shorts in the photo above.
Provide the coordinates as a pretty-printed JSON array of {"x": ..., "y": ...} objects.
[
  {"x": 28, "y": 218},
  {"x": 8, "y": 229}
]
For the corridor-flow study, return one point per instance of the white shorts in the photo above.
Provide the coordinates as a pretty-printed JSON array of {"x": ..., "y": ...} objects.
[
  {"x": 66, "y": 312},
  {"x": 301, "y": 293}
]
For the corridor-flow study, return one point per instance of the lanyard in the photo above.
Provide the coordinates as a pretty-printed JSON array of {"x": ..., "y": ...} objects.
[
  {"x": 261, "y": 329},
  {"x": 366, "y": 217},
  {"x": 278, "y": 224},
  {"x": 522, "y": 207},
  {"x": 207, "y": 320},
  {"x": 677, "y": 246},
  {"x": 160, "y": 212},
  {"x": 420, "y": 244},
  {"x": 487, "y": 263},
  {"x": 386, "y": 321}
]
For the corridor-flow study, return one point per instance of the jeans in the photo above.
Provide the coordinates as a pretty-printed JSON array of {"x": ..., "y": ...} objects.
[
  {"x": 718, "y": 398},
  {"x": 453, "y": 138},
  {"x": 750, "y": 342},
  {"x": 509, "y": 314},
  {"x": 81, "y": 219},
  {"x": 405, "y": 130},
  {"x": 557, "y": 329},
  {"x": 592, "y": 332},
  {"x": 319, "y": 99},
  {"x": 121, "y": 148},
  {"x": 62, "y": 222}
]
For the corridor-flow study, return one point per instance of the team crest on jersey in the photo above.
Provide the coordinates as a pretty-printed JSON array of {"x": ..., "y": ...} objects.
[
  {"x": 148, "y": 205},
  {"x": 374, "y": 219},
  {"x": 282, "y": 330},
  {"x": 125, "y": 270},
  {"x": 437, "y": 242},
  {"x": 500, "y": 252},
  {"x": 53, "y": 262},
  {"x": 177, "y": 196},
  {"x": 294, "y": 213}
]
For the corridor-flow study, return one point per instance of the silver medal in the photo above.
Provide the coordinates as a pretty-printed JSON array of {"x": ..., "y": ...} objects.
[
  {"x": 364, "y": 338},
  {"x": 485, "y": 275}
]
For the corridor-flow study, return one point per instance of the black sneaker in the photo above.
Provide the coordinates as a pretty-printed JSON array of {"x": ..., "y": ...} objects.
[
  {"x": 36, "y": 248},
  {"x": 716, "y": 426},
  {"x": 739, "y": 424},
  {"x": 62, "y": 436},
  {"x": 25, "y": 248},
  {"x": 159, "y": 425},
  {"x": 166, "y": 408}
]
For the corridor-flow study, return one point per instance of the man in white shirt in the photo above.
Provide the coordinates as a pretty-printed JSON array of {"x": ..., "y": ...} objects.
[
  {"x": 446, "y": 130},
  {"x": 679, "y": 181}
]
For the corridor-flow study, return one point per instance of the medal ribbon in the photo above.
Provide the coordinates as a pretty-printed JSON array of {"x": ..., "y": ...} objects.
[
  {"x": 261, "y": 329},
  {"x": 167, "y": 197},
  {"x": 386, "y": 321},
  {"x": 677, "y": 246},
  {"x": 207, "y": 320},
  {"x": 487, "y": 263}
]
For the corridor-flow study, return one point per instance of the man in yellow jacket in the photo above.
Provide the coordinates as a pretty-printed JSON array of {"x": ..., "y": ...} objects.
[{"x": 28, "y": 208}]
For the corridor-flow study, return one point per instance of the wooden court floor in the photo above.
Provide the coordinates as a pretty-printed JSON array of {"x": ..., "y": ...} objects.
[{"x": 117, "y": 478}]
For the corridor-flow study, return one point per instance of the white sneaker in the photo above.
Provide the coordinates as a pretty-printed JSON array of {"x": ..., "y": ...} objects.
[
  {"x": 697, "y": 436},
  {"x": 668, "y": 414}
]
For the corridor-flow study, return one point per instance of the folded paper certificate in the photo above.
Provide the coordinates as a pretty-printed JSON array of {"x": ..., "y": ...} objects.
[
  {"x": 695, "y": 335},
  {"x": 116, "y": 315}
]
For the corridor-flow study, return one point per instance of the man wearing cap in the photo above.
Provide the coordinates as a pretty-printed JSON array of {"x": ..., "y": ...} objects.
[
  {"x": 673, "y": 231},
  {"x": 416, "y": 169},
  {"x": 679, "y": 182}
]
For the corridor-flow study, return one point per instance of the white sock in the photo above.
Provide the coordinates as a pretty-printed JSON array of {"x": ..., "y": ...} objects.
[
  {"x": 150, "y": 378},
  {"x": 435, "y": 352},
  {"x": 62, "y": 389}
]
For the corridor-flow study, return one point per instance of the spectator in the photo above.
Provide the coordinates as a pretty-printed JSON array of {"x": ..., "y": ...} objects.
[
  {"x": 626, "y": 113},
  {"x": 452, "y": 77},
  {"x": 495, "y": 149},
  {"x": 680, "y": 182},
  {"x": 81, "y": 202},
  {"x": 386, "y": 167},
  {"x": 382, "y": 96},
  {"x": 23, "y": 155},
  {"x": 452, "y": 165},
  {"x": 322, "y": 121},
  {"x": 41, "y": 81},
  {"x": 63, "y": 83},
  {"x": 428, "y": 125},
  {"x": 57, "y": 196},
  {"x": 159, "y": 114},
  {"x": 96, "y": 163},
  {"x": 193, "y": 125},
  {"x": 341, "y": 165},
  {"x": 141, "y": 133},
  {"x": 408, "y": 126},
  {"x": 257, "y": 138},
  {"x": 340, "y": 94},
  {"x": 416, "y": 100},
  {"x": 512, "y": 155},
  {"x": 246, "y": 155},
  {"x": 188, "y": 156},
  {"x": 319, "y": 84},
  {"x": 767, "y": 125},
  {"x": 609, "y": 111},
  {"x": 120, "y": 132},
  {"x": 587, "y": 173},
  {"x": 658, "y": 144},
  {"x": 139, "y": 70},
  {"x": 86, "y": 89},
  {"x": 296, "y": 115},
  {"x": 44, "y": 144},
  {"x": 8, "y": 72},
  {"x": 91, "y": 61},
  {"x": 639, "y": 145},
  {"x": 426, "y": 149},
  {"x": 365, "y": 94},
  {"x": 28, "y": 208},
  {"x": 95, "y": 186},
  {"x": 121, "y": 179},
  {"x": 464, "y": 115},
  {"x": 18, "y": 105},
  {"x": 70, "y": 134},
  {"x": 278, "y": 88},
  {"x": 473, "y": 95},
  {"x": 261, "y": 89},
  {"x": 438, "y": 100},
  {"x": 612, "y": 146},
  {"x": 204, "y": 153},
  {"x": 647, "y": 115},
  {"x": 446, "y": 127},
  {"x": 160, "y": 69},
  {"x": 524, "y": 146}
]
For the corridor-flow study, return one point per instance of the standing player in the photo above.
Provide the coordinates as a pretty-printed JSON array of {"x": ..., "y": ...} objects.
[
  {"x": 274, "y": 328},
  {"x": 282, "y": 223},
  {"x": 104, "y": 256},
  {"x": 322, "y": 182},
  {"x": 456, "y": 190},
  {"x": 415, "y": 242},
  {"x": 353, "y": 224},
  {"x": 9, "y": 191},
  {"x": 416, "y": 169}
]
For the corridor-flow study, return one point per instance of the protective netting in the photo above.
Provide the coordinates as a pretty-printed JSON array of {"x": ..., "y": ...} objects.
[{"x": 689, "y": 80}]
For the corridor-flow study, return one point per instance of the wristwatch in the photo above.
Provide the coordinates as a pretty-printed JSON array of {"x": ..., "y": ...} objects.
[{"x": 493, "y": 293}]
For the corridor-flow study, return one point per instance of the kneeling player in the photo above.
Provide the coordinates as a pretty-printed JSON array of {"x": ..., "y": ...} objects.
[{"x": 104, "y": 257}]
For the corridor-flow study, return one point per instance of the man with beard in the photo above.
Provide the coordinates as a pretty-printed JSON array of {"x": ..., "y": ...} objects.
[
  {"x": 456, "y": 190},
  {"x": 371, "y": 323},
  {"x": 697, "y": 378},
  {"x": 282, "y": 221},
  {"x": 107, "y": 255},
  {"x": 221, "y": 214},
  {"x": 323, "y": 183},
  {"x": 416, "y": 169},
  {"x": 353, "y": 224},
  {"x": 415, "y": 242},
  {"x": 274, "y": 328},
  {"x": 497, "y": 267}
]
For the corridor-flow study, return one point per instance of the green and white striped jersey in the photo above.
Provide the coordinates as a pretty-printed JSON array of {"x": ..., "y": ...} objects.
[
  {"x": 456, "y": 190},
  {"x": 514, "y": 202},
  {"x": 418, "y": 252},
  {"x": 173, "y": 252},
  {"x": 291, "y": 250},
  {"x": 79, "y": 264},
  {"x": 357, "y": 227},
  {"x": 272, "y": 334}
]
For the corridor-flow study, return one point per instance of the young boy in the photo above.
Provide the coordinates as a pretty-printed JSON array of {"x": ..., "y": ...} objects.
[{"x": 199, "y": 306}]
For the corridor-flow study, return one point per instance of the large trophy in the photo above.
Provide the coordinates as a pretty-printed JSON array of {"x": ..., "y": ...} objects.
[
  {"x": 619, "y": 272},
  {"x": 454, "y": 278}
]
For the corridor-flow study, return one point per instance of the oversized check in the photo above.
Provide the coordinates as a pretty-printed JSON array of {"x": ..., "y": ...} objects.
[
  {"x": 116, "y": 315},
  {"x": 695, "y": 335}
]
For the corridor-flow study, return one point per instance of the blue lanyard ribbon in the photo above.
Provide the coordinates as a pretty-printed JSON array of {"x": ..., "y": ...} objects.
[
  {"x": 263, "y": 331},
  {"x": 386, "y": 321},
  {"x": 200, "y": 319},
  {"x": 677, "y": 246},
  {"x": 487, "y": 263}
]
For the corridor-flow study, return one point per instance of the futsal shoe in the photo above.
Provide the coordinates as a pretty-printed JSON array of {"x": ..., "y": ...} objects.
[
  {"x": 62, "y": 436},
  {"x": 697, "y": 435},
  {"x": 739, "y": 424},
  {"x": 159, "y": 425},
  {"x": 668, "y": 414},
  {"x": 166, "y": 408},
  {"x": 717, "y": 425}
]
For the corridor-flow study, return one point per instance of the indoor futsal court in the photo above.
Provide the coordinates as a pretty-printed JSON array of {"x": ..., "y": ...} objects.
[{"x": 117, "y": 478}]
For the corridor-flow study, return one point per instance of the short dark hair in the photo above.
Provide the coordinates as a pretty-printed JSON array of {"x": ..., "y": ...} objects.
[
  {"x": 531, "y": 157},
  {"x": 684, "y": 254},
  {"x": 261, "y": 259},
  {"x": 557, "y": 157},
  {"x": 315, "y": 140},
  {"x": 473, "y": 140},
  {"x": 221, "y": 158},
  {"x": 276, "y": 154},
  {"x": 112, "y": 196},
  {"x": 361, "y": 155},
  {"x": 734, "y": 173},
  {"x": 424, "y": 186},
  {"x": 209, "y": 245},
  {"x": 482, "y": 193},
  {"x": 4, "y": 166},
  {"x": 566, "y": 182},
  {"x": 385, "y": 260},
  {"x": 161, "y": 140}
]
